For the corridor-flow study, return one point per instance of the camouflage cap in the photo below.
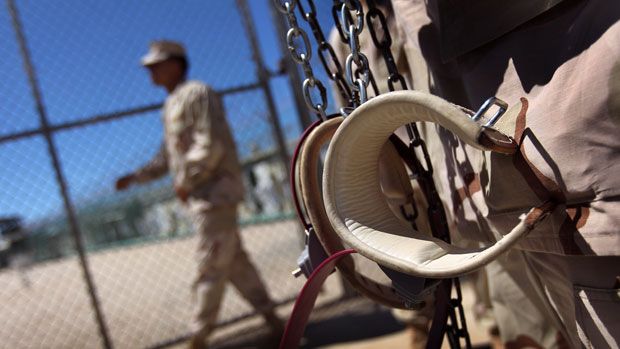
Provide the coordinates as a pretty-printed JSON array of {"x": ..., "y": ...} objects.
[{"x": 161, "y": 50}]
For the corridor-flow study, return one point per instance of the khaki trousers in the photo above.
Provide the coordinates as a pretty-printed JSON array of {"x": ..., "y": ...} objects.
[
  {"x": 542, "y": 300},
  {"x": 221, "y": 258},
  {"x": 582, "y": 293}
]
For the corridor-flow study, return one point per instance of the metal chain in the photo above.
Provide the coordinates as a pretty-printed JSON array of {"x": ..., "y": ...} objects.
[
  {"x": 349, "y": 27},
  {"x": 384, "y": 45},
  {"x": 456, "y": 314},
  {"x": 311, "y": 83},
  {"x": 436, "y": 213},
  {"x": 410, "y": 217},
  {"x": 358, "y": 80},
  {"x": 336, "y": 7},
  {"x": 326, "y": 52}
]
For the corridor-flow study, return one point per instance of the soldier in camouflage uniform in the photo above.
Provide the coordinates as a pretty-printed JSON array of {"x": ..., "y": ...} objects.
[
  {"x": 561, "y": 286},
  {"x": 200, "y": 153}
]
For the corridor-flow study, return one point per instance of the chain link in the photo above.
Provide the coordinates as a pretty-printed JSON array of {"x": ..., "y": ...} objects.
[
  {"x": 457, "y": 328},
  {"x": 350, "y": 26},
  {"x": 325, "y": 51},
  {"x": 363, "y": 69},
  {"x": 299, "y": 57},
  {"x": 311, "y": 84},
  {"x": 410, "y": 217},
  {"x": 354, "y": 88},
  {"x": 384, "y": 44},
  {"x": 336, "y": 7}
]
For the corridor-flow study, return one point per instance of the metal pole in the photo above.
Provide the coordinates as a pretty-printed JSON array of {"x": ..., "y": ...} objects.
[
  {"x": 292, "y": 69},
  {"x": 47, "y": 134},
  {"x": 263, "y": 80},
  {"x": 95, "y": 119}
]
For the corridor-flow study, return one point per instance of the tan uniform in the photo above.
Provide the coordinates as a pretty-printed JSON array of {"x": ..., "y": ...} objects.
[
  {"x": 201, "y": 154},
  {"x": 565, "y": 62}
]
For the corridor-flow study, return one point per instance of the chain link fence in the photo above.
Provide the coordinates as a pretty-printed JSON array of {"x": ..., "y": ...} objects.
[{"x": 84, "y": 266}]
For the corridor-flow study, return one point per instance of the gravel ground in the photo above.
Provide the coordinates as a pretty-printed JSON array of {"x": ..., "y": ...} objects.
[
  {"x": 144, "y": 292},
  {"x": 145, "y": 296}
]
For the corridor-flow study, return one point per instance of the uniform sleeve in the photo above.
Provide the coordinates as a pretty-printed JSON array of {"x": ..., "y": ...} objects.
[
  {"x": 204, "y": 149},
  {"x": 156, "y": 168}
]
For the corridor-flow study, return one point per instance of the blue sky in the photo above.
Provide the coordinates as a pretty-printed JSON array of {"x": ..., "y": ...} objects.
[{"x": 86, "y": 55}]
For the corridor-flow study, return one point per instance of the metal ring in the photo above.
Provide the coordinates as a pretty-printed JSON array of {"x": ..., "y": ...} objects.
[
  {"x": 286, "y": 7},
  {"x": 310, "y": 13},
  {"x": 503, "y": 106},
  {"x": 396, "y": 78},
  {"x": 346, "y": 111},
  {"x": 361, "y": 87},
  {"x": 313, "y": 83},
  {"x": 321, "y": 112},
  {"x": 359, "y": 14},
  {"x": 373, "y": 83},
  {"x": 325, "y": 46},
  {"x": 354, "y": 45},
  {"x": 363, "y": 67},
  {"x": 303, "y": 57},
  {"x": 387, "y": 38}
]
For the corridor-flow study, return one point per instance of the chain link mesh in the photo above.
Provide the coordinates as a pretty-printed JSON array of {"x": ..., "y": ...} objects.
[{"x": 104, "y": 119}]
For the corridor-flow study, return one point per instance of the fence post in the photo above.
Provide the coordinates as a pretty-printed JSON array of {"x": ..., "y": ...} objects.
[
  {"x": 263, "y": 80},
  {"x": 47, "y": 134}
]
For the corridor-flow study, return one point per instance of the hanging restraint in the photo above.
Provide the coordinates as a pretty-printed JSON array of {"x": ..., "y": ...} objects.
[{"x": 374, "y": 230}]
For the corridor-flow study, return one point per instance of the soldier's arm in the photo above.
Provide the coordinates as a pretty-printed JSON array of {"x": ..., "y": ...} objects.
[
  {"x": 205, "y": 150},
  {"x": 156, "y": 168}
]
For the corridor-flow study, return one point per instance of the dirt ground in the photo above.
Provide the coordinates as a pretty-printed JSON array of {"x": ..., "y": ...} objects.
[
  {"x": 145, "y": 298},
  {"x": 353, "y": 323},
  {"x": 144, "y": 292}
]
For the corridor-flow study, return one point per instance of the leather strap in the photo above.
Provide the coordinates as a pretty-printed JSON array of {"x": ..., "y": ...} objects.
[
  {"x": 355, "y": 270},
  {"x": 293, "y": 173},
  {"x": 298, "y": 320},
  {"x": 485, "y": 139},
  {"x": 545, "y": 188},
  {"x": 353, "y": 197}
]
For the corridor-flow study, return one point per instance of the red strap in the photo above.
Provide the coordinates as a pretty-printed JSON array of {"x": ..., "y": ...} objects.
[
  {"x": 305, "y": 300},
  {"x": 292, "y": 172}
]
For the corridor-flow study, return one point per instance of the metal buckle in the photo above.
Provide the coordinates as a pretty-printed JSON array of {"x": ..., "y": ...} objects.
[
  {"x": 346, "y": 111},
  {"x": 503, "y": 106},
  {"x": 411, "y": 289},
  {"x": 312, "y": 255}
]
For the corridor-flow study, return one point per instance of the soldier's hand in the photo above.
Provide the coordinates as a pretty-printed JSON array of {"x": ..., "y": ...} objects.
[
  {"x": 182, "y": 194},
  {"x": 125, "y": 181}
]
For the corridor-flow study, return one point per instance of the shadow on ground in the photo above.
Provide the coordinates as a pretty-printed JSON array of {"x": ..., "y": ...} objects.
[
  {"x": 343, "y": 322},
  {"x": 351, "y": 327}
]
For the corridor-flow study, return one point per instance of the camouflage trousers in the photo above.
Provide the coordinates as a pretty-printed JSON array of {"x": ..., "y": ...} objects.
[
  {"x": 543, "y": 300},
  {"x": 221, "y": 258}
]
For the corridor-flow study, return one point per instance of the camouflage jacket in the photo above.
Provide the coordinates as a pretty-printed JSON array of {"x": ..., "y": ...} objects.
[
  {"x": 568, "y": 128},
  {"x": 198, "y": 148}
]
